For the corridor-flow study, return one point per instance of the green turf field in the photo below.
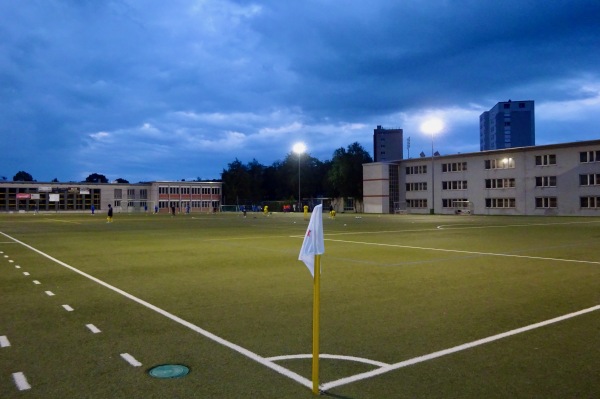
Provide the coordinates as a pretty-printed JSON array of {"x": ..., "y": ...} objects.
[{"x": 411, "y": 306}]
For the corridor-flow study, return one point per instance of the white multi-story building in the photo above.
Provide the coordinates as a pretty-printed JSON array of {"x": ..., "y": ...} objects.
[{"x": 558, "y": 179}]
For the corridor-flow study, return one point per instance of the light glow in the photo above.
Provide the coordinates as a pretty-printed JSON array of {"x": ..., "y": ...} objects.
[
  {"x": 299, "y": 148},
  {"x": 432, "y": 126}
]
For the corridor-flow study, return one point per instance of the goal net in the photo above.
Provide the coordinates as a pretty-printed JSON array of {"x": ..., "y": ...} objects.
[
  {"x": 230, "y": 208},
  {"x": 140, "y": 206}
]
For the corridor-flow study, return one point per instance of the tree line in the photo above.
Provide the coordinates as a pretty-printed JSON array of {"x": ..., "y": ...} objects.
[{"x": 254, "y": 183}]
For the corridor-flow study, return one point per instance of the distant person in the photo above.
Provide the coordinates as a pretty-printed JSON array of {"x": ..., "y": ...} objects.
[
  {"x": 172, "y": 210},
  {"x": 155, "y": 209},
  {"x": 109, "y": 215},
  {"x": 305, "y": 212},
  {"x": 187, "y": 209},
  {"x": 93, "y": 210},
  {"x": 266, "y": 210}
]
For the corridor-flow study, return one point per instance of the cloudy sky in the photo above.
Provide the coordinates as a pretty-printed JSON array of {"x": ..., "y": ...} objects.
[{"x": 178, "y": 89}]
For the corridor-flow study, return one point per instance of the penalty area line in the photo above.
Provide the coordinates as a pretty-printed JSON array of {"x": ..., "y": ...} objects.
[
  {"x": 241, "y": 350},
  {"x": 459, "y": 348},
  {"x": 464, "y": 252}
]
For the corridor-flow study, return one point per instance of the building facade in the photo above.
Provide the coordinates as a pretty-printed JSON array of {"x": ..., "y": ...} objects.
[
  {"x": 507, "y": 125},
  {"x": 559, "y": 179},
  {"x": 199, "y": 196},
  {"x": 387, "y": 144}
]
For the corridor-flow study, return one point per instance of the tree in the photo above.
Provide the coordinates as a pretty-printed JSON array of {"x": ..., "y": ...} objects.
[
  {"x": 22, "y": 176},
  {"x": 96, "y": 178},
  {"x": 119, "y": 180},
  {"x": 345, "y": 176},
  {"x": 236, "y": 183}
]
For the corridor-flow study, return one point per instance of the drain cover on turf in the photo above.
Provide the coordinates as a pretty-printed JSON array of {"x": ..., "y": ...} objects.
[{"x": 169, "y": 371}]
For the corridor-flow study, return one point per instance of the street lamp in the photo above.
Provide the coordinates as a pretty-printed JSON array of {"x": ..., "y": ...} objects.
[
  {"x": 299, "y": 148},
  {"x": 432, "y": 126}
]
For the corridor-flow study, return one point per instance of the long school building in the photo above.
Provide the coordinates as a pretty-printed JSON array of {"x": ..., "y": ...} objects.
[
  {"x": 560, "y": 179},
  {"x": 198, "y": 196}
]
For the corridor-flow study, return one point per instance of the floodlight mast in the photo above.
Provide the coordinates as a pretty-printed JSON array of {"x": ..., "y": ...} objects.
[{"x": 299, "y": 148}]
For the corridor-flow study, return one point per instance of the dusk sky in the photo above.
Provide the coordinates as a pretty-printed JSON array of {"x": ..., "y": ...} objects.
[{"x": 178, "y": 89}]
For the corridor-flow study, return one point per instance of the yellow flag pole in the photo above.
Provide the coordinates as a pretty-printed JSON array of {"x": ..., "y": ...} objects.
[{"x": 316, "y": 307}]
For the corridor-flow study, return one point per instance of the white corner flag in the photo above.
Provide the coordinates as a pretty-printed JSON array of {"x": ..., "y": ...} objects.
[{"x": 313, "y": 240}]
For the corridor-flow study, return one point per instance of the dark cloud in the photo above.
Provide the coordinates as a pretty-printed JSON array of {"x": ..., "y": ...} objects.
[{"x": 179, "y": 89}]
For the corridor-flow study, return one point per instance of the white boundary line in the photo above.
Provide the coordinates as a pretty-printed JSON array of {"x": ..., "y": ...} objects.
[
  {"x": 131, "y": 360},
  {"x": 326, "y": 356},
  {"x": 434, "y": 355},
  {"x": 464, "y": 252},
  {"x": 93, "y": 328},
  {"x": 243, "y": 351},
  {"x": 21, "y": 381},
  {"x": 4, "y": 342}
]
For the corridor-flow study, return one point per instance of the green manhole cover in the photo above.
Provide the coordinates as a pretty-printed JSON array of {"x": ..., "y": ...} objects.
[{"x": 169, "y": 371}]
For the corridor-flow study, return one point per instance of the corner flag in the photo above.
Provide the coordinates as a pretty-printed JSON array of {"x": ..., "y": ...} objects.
[
  {"x": 310, "y": 253},
  {"x": 313, "y": 240}
]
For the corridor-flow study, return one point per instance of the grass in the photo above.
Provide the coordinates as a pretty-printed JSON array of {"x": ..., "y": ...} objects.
[{"x": 393, "y": 288}]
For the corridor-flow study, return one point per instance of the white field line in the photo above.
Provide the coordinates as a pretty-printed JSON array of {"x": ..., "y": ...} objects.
[
  {"x": 446, "y": 227},
  {"x": 17, "y": 267},
  {"x": 36, "y": 282},
  {"x": 25, "y": 273},
  {"x": 130, "y": 359},
  {"x": 21, "y": 381},
  {"x": 434, "y": 355},
  {"x": 463, "y": 252},
  {"x": 68, "y": 308},
  {"x": 243, "y": 351},
  {"x": 4, "y": 343},
  {"x": 326, "y": 356},
  {"x": 93, "y": 328},
  {"x": 49, "y": 293}
]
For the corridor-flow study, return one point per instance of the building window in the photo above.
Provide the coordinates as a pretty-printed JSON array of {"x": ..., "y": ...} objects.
[
  {"x": 419, "y": 186},
  {"x": 589, "y": 156},
  {"x": 545, "y": 181},
  {"x": 454, "y": 167},
  {"x": 545, "y": 202},
  {"x": 544, "y": 160},
  {"x": 118, "y": 193},
  {"x": 143, "y": 193},
  {"x": 500, "y": 163},
  {"x": 500, "y": 183},
  {"x": 500, "y": 203},
  {"x": 521, "y": 105},
  {"x": 416, "y": 203},
  {"x": 592, "y": 179},
  {"x": 590, "y": 202},
  {"x": 130, "y": 193},
  {"x": 416, "y": 170},
  {"x": 454, "y": 185}
]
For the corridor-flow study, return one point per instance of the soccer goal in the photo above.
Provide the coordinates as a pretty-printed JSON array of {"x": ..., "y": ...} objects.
[
  {"x": 230, "y": 208},
  {"x": 462, "y": 207},
  {"x": 140, "y": 206},
  {"x": 400, "y": 207}
]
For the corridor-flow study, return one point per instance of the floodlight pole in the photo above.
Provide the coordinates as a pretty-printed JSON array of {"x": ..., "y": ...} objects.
[
  {"x": 299, "y": 197},
  {"x": 432, "y": 209},
  {"x": 299, "y": 148}
]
